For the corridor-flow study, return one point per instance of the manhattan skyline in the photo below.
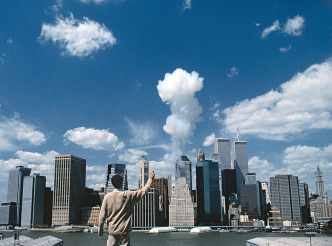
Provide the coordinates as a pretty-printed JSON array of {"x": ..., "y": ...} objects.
[{"x": 112, "y": 81}]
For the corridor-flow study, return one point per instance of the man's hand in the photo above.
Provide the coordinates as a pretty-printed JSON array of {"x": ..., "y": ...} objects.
[
  {"x": 100, "y": 233},
  {"x": 152, "y": 175}
]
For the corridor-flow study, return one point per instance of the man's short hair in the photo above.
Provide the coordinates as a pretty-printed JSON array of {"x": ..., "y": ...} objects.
[{"x": 117, "y": 181}]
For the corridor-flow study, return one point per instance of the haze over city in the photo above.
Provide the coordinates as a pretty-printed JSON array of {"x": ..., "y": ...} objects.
[{"x": 112, "y": 81}]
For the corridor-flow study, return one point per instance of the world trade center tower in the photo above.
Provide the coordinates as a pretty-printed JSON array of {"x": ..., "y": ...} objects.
[{"x": 240, "y": 163}]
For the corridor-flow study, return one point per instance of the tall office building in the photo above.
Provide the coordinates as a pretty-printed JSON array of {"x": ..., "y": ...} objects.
[
  {"x": 113, "y": 169},
  {"x": 48, "y": 203},
  {"x": 240, "y": 163},
  {"x": 144, "y": 172},
  {"x": 161, "y": 184},
  {"x": 33, "y": 201},
  {"x": 146, "y": 213},
  {"x": 251, "y": 201},
  {"x": 285, "y": 197},
  {"x": 69, "y": 189},
  {"x": 229, "y": 187},
  {"x": 304, "y": 203},
  {"x": 183, "y": 169},
  {"x": 208, "y": 193},
  {"x": 222, "y": 153},
  {"x": 181, "y": 208},
  {"x": 15, "y": 188},
  {"x": 320, "y": 186},
  {"x": 170, "y": 187}
]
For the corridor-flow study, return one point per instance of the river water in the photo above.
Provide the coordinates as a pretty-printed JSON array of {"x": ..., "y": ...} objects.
[{"x": 173, "y": 238}]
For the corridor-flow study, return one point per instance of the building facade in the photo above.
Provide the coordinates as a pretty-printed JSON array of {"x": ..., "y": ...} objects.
[
  {"x": 146, "y": 213},
  {"x": 240, "y": 163},
  {"x": 15, "y": 188},
  {"x": 8, "y": 213},
  {"x": 113, "y": 169},
  {"x": 251, "y": 200},
  {"x": 208, "y": 193},
  {"x": 285, "y": 197},
  {"x": 33, "y": 201},
  {"x": 69, "y": 190},
  {"x": 222, "y": 153},
  {"x": 161, "y": 184},
  {"x": 229, "y": 187},
  {"x": 144, "y": 172},
  {"x": 183, "y": 170},
  {"x": 320, "y": 186},
  {"x": 181, "y": 208}
]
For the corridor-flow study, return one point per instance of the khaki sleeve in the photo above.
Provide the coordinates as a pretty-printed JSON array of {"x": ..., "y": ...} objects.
[{"x": 102, "y": 215}]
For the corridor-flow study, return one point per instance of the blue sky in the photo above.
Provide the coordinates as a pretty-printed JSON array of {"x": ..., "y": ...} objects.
[{"x": 110, "y": 81}]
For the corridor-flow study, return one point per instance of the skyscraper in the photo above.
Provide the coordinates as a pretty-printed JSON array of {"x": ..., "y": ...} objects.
[
  {"x": 229, "y": 187},
  {"x": 251, "y": 201},
  {"x": 181, "y": 208},
  {"x": 240, "y": 163},
  {"x": 320, "y": 186},
  {"x": 69, "y": 189},
  {"x": 33, "y": 201},
  {"x": 183, "y": 169},
  {"x": 285, "y": 197},
  {"x": 144, "y": 172},
  {"x": 222, "y": 153},
  {"x": 15, "y": 188},
  {"x": 113, "y": 169},
  {"x": 170, "y": 187},
  {"x": 161, "y": 184},
  {"x": 208, "y": 193}
]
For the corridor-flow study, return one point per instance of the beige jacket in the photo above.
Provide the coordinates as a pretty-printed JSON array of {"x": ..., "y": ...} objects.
[{"x": 117, "y": 208}]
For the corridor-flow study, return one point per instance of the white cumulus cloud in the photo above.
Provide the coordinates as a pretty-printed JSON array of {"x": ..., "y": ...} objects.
[
  {"x": 14, "y": 131},
  {"x": 95, "y": 1},
  {"x": 233, "y": 72},
  {"x": 94, "y": 138},
  {"x": 294, "y": 26},
  {"x": 268, "y": 30},
  {"x": 303, "y": 103},
  {"x": 178, "y": 90},
  {"x": 77, "y": 38},
  {"x": 187, "y": 4},
  {"x": 283, "y": 49},
  {"x": 209, "y": 140},
  {"x": 132, "y": 155}
]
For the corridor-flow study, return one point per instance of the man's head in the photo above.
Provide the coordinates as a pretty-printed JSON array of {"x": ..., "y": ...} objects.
[{"x": 117, "y": 181}]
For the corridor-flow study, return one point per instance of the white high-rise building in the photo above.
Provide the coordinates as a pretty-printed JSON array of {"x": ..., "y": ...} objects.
[
  {"x": 144, "y": 172},
  {"x": 181, "y": 208}
]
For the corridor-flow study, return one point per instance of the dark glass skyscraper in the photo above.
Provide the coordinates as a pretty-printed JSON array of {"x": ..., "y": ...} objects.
[
  {"x": 229, "y": 187},
  {"x": 183, "y": 169},
  {"x": 15, "y": 188},
  {"x": 208, "y": 193},
  {"x": 113, "y": 169}
]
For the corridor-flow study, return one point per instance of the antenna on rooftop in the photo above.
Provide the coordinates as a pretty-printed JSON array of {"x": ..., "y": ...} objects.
[{"x": 238, "y": 132}]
